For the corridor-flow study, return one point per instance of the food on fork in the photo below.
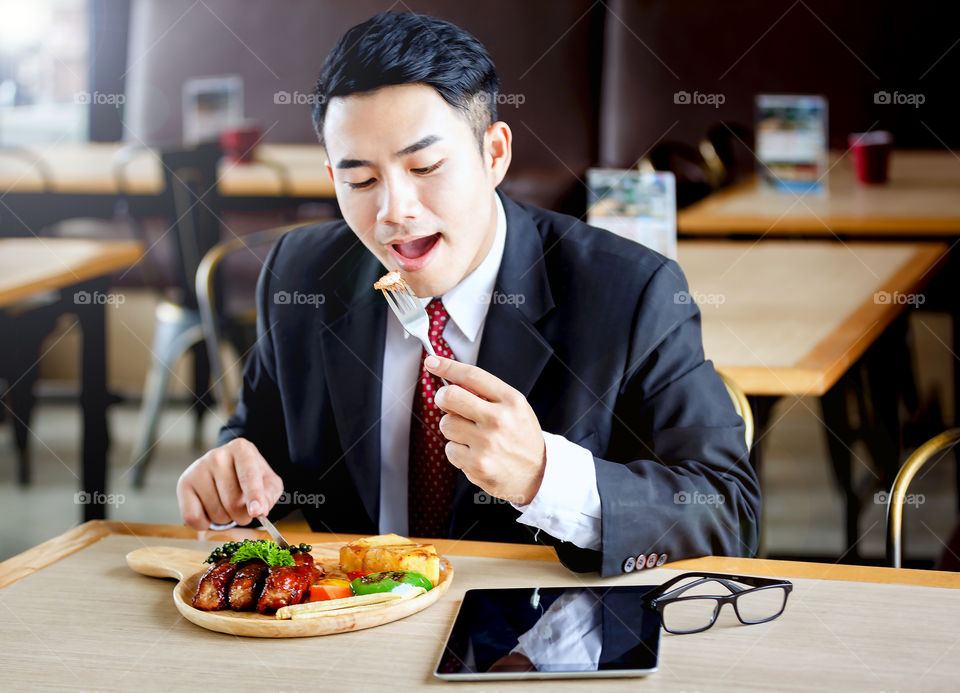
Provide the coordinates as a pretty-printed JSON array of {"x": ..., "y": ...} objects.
[
  {"x": 390, "y": 552},
  {"x": 392, "y": 281}
]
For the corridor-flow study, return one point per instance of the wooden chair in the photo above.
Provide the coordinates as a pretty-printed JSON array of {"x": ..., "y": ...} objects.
[
  {"x": 190, "y": 177},
  {"x": 926, "y": 452},
  {"x": 215, "y": 325},
  {"x": 694, "y": 177},
  {"x": 742, "y": 406}
]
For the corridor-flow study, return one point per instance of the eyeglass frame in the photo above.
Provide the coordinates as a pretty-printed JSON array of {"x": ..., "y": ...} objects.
[{"x": 660, "y": 596}]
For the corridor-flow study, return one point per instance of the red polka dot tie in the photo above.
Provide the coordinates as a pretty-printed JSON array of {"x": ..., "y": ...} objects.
[{"x": 431, "y": 476}]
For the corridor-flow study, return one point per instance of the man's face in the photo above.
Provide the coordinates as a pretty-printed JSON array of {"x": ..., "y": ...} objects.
[{"x": 412, "y": 183}]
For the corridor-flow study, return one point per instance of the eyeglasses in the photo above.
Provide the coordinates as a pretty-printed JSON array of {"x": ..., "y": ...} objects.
[{"x": 754, "y": 600}]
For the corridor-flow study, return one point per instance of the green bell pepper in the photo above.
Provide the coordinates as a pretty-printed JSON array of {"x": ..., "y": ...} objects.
[{"x": 389, "y": 582}]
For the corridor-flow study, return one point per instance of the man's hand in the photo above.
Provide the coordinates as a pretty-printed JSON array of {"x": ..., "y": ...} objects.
[
  {"x": 232, "y": 482},
  {"x": 494, "y": 436}
]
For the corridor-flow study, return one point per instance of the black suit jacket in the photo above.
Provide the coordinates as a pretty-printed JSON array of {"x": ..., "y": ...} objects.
[{"x": 604, "y": 343}]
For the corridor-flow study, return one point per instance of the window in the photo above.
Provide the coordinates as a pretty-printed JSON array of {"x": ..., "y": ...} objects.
[{"x": 44, "y": 71}]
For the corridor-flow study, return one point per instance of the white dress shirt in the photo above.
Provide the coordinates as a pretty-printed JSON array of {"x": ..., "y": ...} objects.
[
  {"x": 567, "y": 506},
  {"x": 569, "y": 636}
]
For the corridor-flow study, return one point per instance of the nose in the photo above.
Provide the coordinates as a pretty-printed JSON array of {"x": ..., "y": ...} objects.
[{"x": 399, "y": 201}]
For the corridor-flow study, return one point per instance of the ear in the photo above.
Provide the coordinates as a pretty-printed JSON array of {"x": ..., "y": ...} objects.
[{"x": 497, "y": 150}]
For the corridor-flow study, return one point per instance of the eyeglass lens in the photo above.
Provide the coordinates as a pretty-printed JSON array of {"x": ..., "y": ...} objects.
[
  {"x": 697, "y": 608},
  {"x": 761, "y": 604}
]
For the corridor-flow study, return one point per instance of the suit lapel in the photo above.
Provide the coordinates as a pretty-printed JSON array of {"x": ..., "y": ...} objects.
[
  {"x": 353, "y": 345},
  {"x": 512, "y": 347}
]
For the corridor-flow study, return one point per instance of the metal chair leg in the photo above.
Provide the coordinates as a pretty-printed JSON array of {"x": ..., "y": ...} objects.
[
  {"x": 203, "y": 399},
  {"x": 840, "y": 438},
  {"x": 178, "y": 330},
  {"x": 21, "y": 432},
  {"x": 21, "y": 369}
]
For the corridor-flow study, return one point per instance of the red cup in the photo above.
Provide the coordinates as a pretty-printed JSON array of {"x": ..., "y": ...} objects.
[
  {"x": 871, "y": 155},
  {"x": 239, "y": 143}
]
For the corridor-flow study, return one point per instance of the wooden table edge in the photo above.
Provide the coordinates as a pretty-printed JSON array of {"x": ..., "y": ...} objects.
[
  {"x": 820, "y": 571},
  {"x": 701, "y": 219},
  {"x": 895, "y": 228},
  {"x": 73, "y": 540},
  {"x": 117, "y": 255},
  {"x": 321, "y": 186},
  {"x": 817, "y": 371},
  {"x": 759, "y": 380},
  {"x": 871, "y": 317}
]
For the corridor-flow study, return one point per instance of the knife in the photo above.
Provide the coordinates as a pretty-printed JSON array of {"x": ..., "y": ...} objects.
[{"x": 273, "y": 532}]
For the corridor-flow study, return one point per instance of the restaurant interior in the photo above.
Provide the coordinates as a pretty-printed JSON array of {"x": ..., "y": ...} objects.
[{"x": 800, "y": 161}]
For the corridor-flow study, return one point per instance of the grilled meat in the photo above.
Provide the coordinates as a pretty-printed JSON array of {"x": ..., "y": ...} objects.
[
  {"x": 247, "y": 585},
  {"x": 287, "y": 584},
  {"x": 212, "y": 591}
]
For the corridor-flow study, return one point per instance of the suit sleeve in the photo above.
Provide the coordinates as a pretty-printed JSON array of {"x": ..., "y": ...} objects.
[
  {"x": 259, "y": 414},
  {"x": 687, "y": 488}
]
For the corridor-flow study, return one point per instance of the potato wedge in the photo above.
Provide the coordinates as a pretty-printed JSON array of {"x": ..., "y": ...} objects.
[
  {"x": 351, "y": 555},
  {"x": 387, "y": 552},
  {"x": 420, "y": 558}
]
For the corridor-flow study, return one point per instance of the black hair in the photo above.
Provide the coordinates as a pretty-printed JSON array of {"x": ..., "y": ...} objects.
[{"x": 394, "y": 48}]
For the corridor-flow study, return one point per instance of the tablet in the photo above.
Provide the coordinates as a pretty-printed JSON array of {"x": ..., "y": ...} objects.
[{"x": 552, "y": 632}]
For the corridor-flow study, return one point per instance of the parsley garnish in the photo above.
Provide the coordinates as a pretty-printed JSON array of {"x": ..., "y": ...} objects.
[{"x": 266, "y": 551}]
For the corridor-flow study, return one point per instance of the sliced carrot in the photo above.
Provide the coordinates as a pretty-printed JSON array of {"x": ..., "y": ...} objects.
[{"x": 320, "y": 593}]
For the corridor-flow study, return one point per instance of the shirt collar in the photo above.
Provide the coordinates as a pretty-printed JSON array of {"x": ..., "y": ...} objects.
[{"x": 468, "y": 301}]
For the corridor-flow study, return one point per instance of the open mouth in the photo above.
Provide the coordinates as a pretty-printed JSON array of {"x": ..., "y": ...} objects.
[{"x": 417, "y": 248}]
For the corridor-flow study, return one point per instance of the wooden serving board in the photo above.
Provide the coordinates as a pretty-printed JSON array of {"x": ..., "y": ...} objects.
[{"x": 187, "y": 566}]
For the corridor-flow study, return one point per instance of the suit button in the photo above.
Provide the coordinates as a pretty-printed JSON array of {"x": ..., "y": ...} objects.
[
  {"x": 641, "y": 561},
  {"x": 652, "y": 560},
  {"x": 661, "y": 560},
  {"x": 629, "y": 564}
]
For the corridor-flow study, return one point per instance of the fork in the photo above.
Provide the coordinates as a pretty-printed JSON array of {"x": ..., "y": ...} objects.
[{"x": 412, "y": 316}]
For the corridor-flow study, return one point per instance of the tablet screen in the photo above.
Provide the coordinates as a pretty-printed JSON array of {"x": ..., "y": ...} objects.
[{"x": 552, "y": 632}]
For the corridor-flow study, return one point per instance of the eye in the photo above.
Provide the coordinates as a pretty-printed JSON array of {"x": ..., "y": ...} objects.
[
  {"x": 428, "y": 169},
  {"x": 363, "y": 184}
]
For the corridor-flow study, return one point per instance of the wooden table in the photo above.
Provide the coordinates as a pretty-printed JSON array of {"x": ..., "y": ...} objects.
[
  {"x": 77, "y": 270},
  {"x": 45, "y": 184},
  {"x": 278, "y": 170},
  {"x": 790, "y": 317},
  {"x": 921, "y": 198},
  {"x": 76, "y": 617}
]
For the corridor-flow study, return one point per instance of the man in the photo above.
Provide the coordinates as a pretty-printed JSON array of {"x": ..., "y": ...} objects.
[{"x": 580, "y": 410}]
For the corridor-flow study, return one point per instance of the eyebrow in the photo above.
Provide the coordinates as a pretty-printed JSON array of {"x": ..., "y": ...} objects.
[{"x": 409, "y": 149}]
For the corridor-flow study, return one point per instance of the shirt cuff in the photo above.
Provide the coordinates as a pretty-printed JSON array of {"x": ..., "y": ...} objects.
[{"x": 567, "y": 505}]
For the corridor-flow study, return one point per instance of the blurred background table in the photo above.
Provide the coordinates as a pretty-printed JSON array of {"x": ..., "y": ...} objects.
[
  {"x": 44, "y": 184},
  {"x": 790, "y": 317},
  {"x": 71, "y": 276},
  {"x": 920, "y": 199},
  {"x": 794, "y": 317},
  {"x": 90, "y": 168}
]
